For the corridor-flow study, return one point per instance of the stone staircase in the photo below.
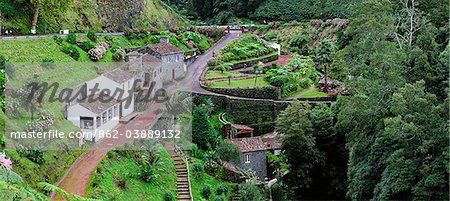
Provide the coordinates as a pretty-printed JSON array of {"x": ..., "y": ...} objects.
[
  {"x": 236, "y": 196},
  {"x": 183, "y": 185}
]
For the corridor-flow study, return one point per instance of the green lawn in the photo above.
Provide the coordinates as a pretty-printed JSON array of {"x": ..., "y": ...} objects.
[
  {"x": 314, "y": 94},
  {"x": 241, "y": 83},
  {"x": 212, "y": 74},
  {"x": 103, "y": 186}
]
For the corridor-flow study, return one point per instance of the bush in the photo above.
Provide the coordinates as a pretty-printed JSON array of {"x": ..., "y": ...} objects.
[
  {"x": 228, "y": 151},
  {"x": 71, "y": 51},
  {"x": 92, "y": 36},
  {"x": 87, "y": 45},
  {"x": 219, "y": 198},
  {"x": 119, "y": 55},
  {"x": 108, "y": 38},
  {"x": 33, "y": 154},
  {"x": 154, "y": 31},
  {"x": 221, "y": 190},
  {"x": 155, "y": 39},
  {"x": 168, "y": 196},
  {"x": 249, "y": 192},
  {"x": 58, "y": 39},
  {"x": 198, "y": 171},
  {"x": 206, "y": 191},
  {"x": 72, "y": 38}
]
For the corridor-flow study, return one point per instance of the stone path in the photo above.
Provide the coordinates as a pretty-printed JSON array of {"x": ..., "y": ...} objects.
[{"x": 183, "y": 186}]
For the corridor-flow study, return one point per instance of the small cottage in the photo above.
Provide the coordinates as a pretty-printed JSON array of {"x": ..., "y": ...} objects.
[
  {"x": 172, "y": 57},
  {"x": 253, "y": 155},
  {"x": 101, "y": 111}
]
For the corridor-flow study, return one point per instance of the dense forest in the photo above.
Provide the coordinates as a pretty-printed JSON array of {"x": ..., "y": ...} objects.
[
  {"x": 393, "y": 128},
  {"x": 221, "y": 12}
]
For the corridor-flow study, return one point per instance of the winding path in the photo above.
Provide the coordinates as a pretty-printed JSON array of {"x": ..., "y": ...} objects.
[{"x": 77, "y": 178}]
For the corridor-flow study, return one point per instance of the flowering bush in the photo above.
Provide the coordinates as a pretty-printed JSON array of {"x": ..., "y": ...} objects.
[
  {"x": 5, "y": 162},
  {"x": 42, "y": 124}
]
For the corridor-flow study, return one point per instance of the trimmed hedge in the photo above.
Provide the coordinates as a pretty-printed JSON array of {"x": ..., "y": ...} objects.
[{"x": 259, "y": 92}]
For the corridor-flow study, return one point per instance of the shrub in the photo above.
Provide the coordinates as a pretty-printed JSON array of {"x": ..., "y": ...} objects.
[
  {"x": 154, "y": 31},
  {"x": 222, "y": 189},
  {"x": 72, "y": 38},
  {"x": 206, "y": 191},
  {"x": 219, "y": 198},
  {"x": 48, "y": 63},
  {"x": 198, "y": 171},
  {"x": 228, "y": 151},
  {"x": 174, "y": 29},
  {"x": 34, "y": 154},
  {"x": 58, "y": 39},
  {"x": 249, "y": 191},
  {"x": 168, "y": 196},
  {"x": 120, "y": 182},
  {"x": 92, "y": 36},
  {"x": 95, "y": 54},
  {"x": 119, "y": 55},
  {"x": 108, "y": 38},
  {"x": 155, "y": 39},
  {"x": 71, "y": 51},
  {"x": 87, "y": 45}
]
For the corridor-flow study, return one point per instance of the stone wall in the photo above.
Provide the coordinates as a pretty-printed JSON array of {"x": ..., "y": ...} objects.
[
  {"x": 259, "y": 93},
  {"x": 253, "y": 62}
]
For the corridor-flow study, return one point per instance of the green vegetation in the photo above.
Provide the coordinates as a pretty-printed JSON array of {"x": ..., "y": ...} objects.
[
  {"x": 82, "y": 16},
  {"x": 247, "y": 47},
  {"x": 299, "y": 73},
  {"x": 111, "y": 181},
  {"x": 241, "y": 83},
  {"x": 204, "y": 179},
  {"x": 302, "y": 37},
  {"x": 213, "y": 74}
]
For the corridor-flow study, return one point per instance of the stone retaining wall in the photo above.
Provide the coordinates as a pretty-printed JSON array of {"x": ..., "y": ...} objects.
[{"x": 257, "y": 93}]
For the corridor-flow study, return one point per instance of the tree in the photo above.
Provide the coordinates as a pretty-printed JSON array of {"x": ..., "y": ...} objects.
[
  {"x": 324, "y": 55},
  {"x": 314, "y": 151},
  {"x": 50, "y": 6},
  {"x": 203, "y": 133},
  {"x": 249, "y": 192}
]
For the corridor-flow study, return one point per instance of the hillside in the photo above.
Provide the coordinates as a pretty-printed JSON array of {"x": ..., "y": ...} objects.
[{"x": 82, "y": 15}]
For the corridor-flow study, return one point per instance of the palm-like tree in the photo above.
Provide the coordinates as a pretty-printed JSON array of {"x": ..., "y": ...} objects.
[{"x": 324, "y": 55}]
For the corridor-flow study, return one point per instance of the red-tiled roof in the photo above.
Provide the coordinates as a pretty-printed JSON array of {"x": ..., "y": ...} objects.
[
  {"x": 249, "y": 144},
  {"x": 272, "y": 140},
  {"x": 165, "y": 48}
]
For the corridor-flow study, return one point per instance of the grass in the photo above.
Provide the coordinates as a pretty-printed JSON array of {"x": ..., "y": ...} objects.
[
  {"x": 206, "y": 179},
  {"x": 241, "y": 83},
  {"x": 103, "y": 185},
  {"x": 214, "y": 74},
  {"x": 247, "y": 60},
  {"x": 314, "y": 94}
]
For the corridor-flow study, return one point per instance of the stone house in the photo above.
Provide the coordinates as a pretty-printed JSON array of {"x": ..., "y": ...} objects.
[
  {"x": 102, "y": 111},
  {"x": 253, "y": 155},
  {"x": 172, "y": 58}
]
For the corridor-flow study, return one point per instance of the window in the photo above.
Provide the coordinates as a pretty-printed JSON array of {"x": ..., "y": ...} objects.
[
  {"x": 115, "y": 111},
  {"x": 109, "y": 114},
  {"x": 104, "y": 117},
  {"x": 87, "y": 123},
  {"x": 99, "y": 123},
  {"x": 247, "y": 158}
]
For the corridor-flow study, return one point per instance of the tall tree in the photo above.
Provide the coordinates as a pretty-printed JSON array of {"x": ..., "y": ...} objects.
[
  {"x": 324, "y": 55},
  {"x": 314, "y": 151}
]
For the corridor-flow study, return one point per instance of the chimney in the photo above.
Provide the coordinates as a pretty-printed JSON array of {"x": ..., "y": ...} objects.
[{"x": 164, "y": 39}]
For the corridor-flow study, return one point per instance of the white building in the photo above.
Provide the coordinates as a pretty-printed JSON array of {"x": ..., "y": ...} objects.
[{"x": 106, "y": 99}]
